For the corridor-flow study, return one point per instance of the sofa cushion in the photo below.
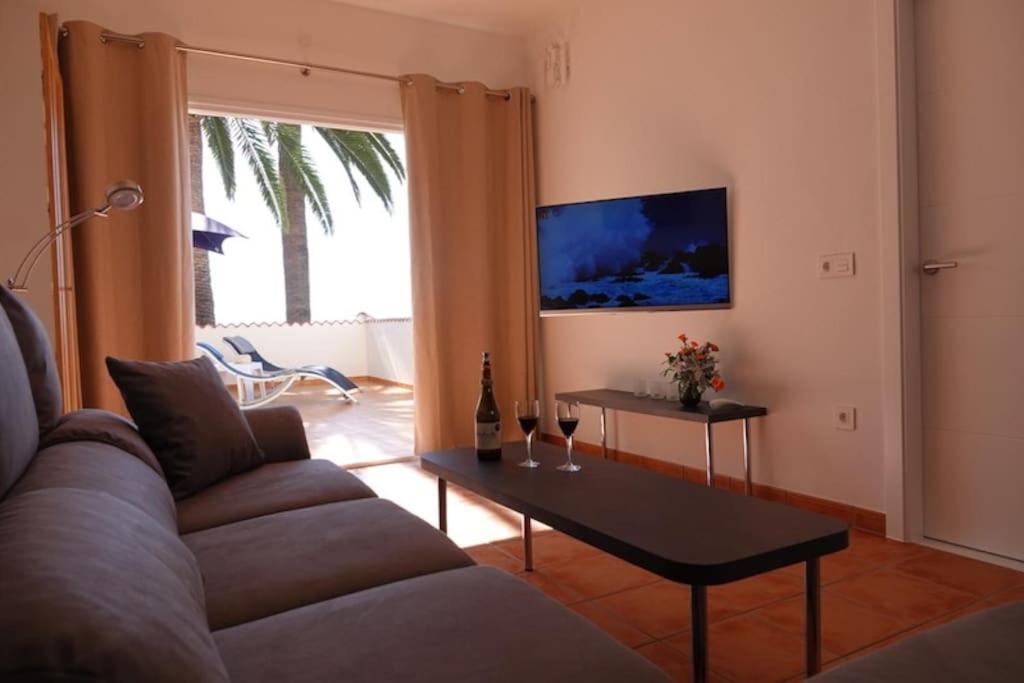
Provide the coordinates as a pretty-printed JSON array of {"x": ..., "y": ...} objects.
[
  {"x": 187, "y": 416},
  {"x": 274, "y": 487},
  {"x": 96, "y": 466},
  {"x": 40, "y": 363},
  {"x": 270, "y": 564},
  {"x": 980, "y": 648},
  {"x": 93, "y": 588},
  {"x": 19, "y": 428},
  {"x": 476, "y": 624}
]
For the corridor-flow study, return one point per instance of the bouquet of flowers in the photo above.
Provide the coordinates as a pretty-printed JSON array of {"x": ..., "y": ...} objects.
[{"x": 695, "y": 368}]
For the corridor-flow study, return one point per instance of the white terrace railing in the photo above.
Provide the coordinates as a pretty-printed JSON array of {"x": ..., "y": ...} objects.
[{"x": 364, "y": 347}]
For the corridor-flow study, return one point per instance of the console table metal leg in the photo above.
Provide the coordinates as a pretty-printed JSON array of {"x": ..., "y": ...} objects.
[
  {"x": 442, "y": 505},
  {"x": 710, "y": 453},
  {"x": 813, "y": 577},
  {"x": 604, "y": 433},
  {"x": 748, "y": 486},
  {"x": 699, "y": 626},
  {"x": 527, "y": 545}
]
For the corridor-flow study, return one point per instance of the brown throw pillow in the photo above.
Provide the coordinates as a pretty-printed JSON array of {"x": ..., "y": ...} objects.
[{"x": 187, "y": 416}]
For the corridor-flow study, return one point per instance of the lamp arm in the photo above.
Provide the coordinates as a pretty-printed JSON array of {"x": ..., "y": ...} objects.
[{"x": 18, "y": 282}]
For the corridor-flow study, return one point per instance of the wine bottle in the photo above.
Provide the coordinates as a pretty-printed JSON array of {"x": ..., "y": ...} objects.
[{"x": 488, "y": 418}]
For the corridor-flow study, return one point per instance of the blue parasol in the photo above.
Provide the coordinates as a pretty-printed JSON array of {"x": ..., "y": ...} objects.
[{"x": 209, "y": 235}]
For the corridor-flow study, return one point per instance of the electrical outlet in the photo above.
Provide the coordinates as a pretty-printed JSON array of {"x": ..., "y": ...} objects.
[
  {"x": 836, "y": 265},
  {"x": 845, "y": 418}
]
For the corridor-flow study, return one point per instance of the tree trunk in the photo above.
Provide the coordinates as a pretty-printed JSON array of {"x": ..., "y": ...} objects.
[
  {"x": 205, "y": 314},
  {"x": 294, "y": 247}
]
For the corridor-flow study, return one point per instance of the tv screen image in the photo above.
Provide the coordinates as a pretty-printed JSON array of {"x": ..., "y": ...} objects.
[{"x": 665, "y": 251}]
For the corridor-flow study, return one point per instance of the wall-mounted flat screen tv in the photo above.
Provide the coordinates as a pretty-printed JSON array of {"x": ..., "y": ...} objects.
[{"x": 656, "y": 252}]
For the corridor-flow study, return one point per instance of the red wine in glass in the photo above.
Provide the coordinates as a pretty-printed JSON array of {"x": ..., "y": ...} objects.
[
  {"x": 568, "y": 416},
  {"x": 528, "y": 414}
]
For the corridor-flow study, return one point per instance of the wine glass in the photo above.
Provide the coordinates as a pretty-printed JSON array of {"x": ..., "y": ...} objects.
[
  {"x": 568, "y": 415},
  {"x": 528, "y": 414}
]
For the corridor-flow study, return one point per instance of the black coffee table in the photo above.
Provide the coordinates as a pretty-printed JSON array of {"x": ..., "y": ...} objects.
[{"x": 679, "y": 530}]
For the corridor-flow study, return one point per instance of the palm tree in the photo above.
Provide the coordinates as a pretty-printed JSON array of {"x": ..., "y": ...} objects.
[
  {"x": 290, "y": 180},
  {"x": 205, "y": 314}
]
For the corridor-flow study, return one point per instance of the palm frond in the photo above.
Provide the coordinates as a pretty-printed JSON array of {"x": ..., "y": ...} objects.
[
  {"x": 388, "y": 153},
  {"x": 296, "y": 157},
  {"x": 252, "y": 141},
  {"x": 358, "y": 149},
  {"x": 218, "y": 139}
]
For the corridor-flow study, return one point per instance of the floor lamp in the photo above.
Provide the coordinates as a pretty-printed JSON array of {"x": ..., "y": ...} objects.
[{"x": 123, "y": 195}]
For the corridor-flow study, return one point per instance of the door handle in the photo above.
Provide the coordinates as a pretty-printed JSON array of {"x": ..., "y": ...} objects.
[{"x": 932, "y": 267}]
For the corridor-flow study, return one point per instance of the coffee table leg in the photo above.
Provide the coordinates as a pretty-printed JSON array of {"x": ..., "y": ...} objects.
[
  {"x": 699, "y": 627},
  {"x": 527, "y": 545},
  {"x": 709, "y": 450},
  {"x": 442, "y": 505},
  {"x": 748, "y": 484},
  {"x": 813, "y": 576},
  {"x": 604, "y": 433}
]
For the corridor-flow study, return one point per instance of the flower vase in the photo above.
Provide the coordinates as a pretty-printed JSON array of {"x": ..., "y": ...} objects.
[{"x": 689, "y": 394}]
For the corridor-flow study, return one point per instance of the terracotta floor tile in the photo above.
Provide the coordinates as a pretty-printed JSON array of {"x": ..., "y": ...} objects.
[
  {"x": 550, "y": 547},
  {"x": 956, "y": 571},
  {"x": 659, "y": 609},
  {"x": 599, "y": 575},
  {"x": 552, "y": 588},
  {"x": 612, "y": 624},
  {"x": 836, "y": 567},
  {"x": 845, "y": 626},
  {"x": 491, "y": 556},
  {"x": 742, "y": 596},
  {"x": 747, "y": 648},
  {"x": 880, "y": 551},
  {"x": 908, "y": 600}
]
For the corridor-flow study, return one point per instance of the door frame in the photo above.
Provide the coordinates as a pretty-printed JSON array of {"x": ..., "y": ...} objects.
[{"x": 899, "y": 255}]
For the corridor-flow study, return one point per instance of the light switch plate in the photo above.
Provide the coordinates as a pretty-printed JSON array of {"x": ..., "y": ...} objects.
[
  {"x": 836, "y": 265},
  {"x": 845, "y": 418}
]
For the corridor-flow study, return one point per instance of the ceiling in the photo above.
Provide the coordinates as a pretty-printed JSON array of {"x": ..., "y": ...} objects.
[{"x": 515, "y": 17}]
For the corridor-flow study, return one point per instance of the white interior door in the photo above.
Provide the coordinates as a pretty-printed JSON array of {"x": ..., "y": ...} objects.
[{"x": 970, "y": 66}]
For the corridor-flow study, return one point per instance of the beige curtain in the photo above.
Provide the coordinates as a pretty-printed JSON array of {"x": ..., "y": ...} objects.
[
  {"x": 473, "y": 244},
  {"x": 126, "y": 111}
]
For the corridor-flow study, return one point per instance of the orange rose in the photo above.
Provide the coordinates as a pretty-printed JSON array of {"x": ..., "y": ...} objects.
[
  {"x": 682, "y": 338},
  {"x": 713, "y": 346},
  {"x": 694, "y": 344},
  {"x": 717, "y": 383}
]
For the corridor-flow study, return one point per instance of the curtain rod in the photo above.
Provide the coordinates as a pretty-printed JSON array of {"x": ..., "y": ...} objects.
[{"x": 304, "y": 67}]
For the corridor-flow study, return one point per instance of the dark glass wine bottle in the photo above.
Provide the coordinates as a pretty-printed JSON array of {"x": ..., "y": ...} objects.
[{"x": 488, "y": 417}]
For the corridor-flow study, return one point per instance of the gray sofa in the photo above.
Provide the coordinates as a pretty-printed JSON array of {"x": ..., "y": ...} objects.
[
  {"x": 291, "y": 571},
  {"x": 987, "y": 647}
]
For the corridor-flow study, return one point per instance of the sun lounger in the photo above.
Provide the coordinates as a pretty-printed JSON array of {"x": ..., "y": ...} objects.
[{"x": 244, "y": 347}]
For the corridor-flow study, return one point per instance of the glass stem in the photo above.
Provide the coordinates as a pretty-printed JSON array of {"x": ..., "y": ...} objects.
[
  {"x": 568, "y": 448},
  {"x": 529, "y": 447}
]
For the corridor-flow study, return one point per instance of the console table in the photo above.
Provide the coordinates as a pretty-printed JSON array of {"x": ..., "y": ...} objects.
[{"x": 613, "y": 399}]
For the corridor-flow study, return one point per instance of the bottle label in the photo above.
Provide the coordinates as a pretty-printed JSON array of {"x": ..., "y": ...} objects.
[{"x": 488, "y": 436}]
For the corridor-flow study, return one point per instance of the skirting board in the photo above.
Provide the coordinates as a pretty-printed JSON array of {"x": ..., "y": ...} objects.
[
  {"x": 362, "y": 379},
  {"x": 859, "y": 518}
]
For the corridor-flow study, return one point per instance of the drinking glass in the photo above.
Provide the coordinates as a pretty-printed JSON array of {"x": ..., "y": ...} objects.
[
  {"x": 528, "y": 414},
  {"x": 568, "y": 415}
]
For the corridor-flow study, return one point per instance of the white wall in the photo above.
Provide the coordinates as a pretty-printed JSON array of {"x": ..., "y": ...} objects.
[
  {"x": 778, "y": 101},
  {"x": 378, "y": 348},
  {"x": 311, "y": 30},
  {"x": 389, "y": 353},
  {"x": 341, "y": 346}
]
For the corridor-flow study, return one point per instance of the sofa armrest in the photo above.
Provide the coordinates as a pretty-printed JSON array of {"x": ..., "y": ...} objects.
[
  {"x": 90, "y": 424},
  {"x": 279, "y": 433}
]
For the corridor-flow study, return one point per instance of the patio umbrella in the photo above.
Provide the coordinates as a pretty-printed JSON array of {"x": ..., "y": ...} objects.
[{"x": 209, "y": 234}]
